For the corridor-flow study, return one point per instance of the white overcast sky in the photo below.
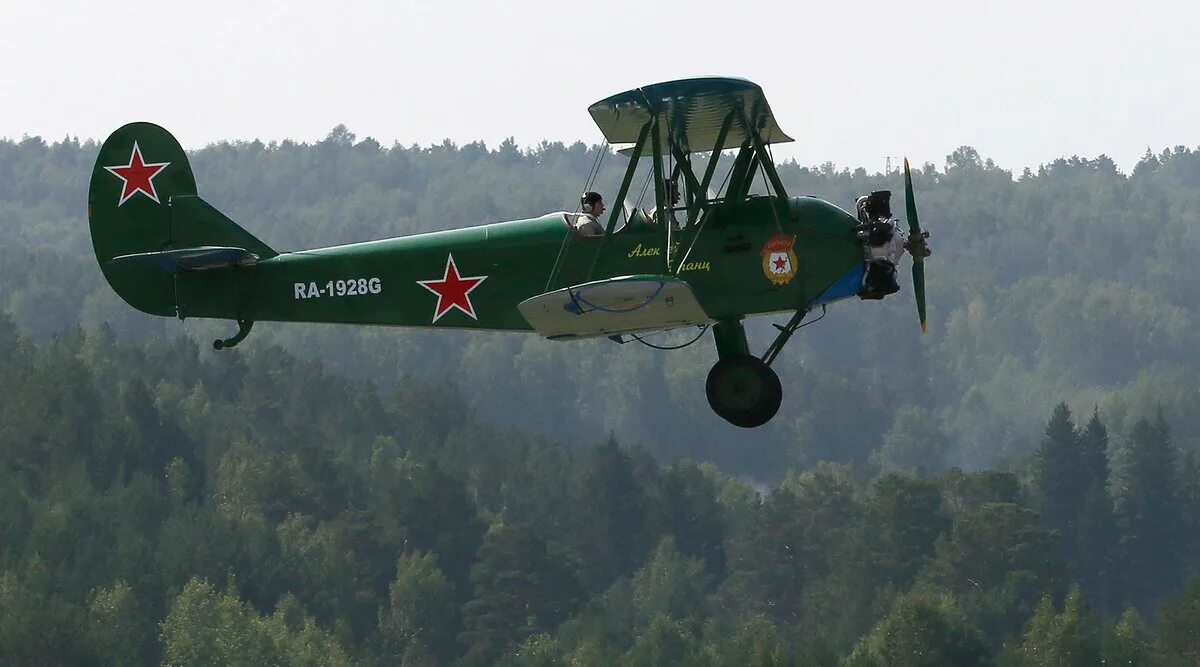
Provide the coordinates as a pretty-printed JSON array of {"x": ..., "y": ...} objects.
[{"x": 1023, "y": 82}]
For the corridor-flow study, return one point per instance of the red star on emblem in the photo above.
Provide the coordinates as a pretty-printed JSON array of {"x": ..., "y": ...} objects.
[
  {"x": 137, "y": 176},
  {"x": 780, "y": 263},
  {"x": 452, "y": 290}
]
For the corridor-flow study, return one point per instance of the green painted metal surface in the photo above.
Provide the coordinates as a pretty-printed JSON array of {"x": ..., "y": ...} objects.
[
  {"x": 694, "y": 110},
  {"x": 144, "y": 200}
]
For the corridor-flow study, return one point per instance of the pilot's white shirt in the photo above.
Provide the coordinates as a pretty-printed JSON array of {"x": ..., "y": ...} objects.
[{"x": 589, "y": 225}]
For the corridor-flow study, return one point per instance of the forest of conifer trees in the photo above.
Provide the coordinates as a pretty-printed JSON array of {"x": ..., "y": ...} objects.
[{"x": 1019, "y": 487}]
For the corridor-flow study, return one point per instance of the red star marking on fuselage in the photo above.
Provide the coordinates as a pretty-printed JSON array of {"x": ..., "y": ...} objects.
[
  {"x": 453, "y": 291},
  {"x": 137, "y": 176}
]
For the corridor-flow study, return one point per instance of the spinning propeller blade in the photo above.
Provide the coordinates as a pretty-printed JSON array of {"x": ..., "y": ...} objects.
[
  {"x": 910, "y": 205},
  {"x": 918, "y": 237},
  {"x": 918, "y": 275}
]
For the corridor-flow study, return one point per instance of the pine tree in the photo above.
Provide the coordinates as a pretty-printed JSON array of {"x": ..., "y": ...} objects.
[
  {"x": 1189, "y": 475},
  {"x": 1070, "y": 482},
  {"x": 1096, "y": 537},
  {"x": 1149, "y": 515},
  {"x": 1058, "y": 481}
]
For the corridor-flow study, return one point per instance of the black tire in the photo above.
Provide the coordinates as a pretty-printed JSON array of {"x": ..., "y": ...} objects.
[{"x": 743, "y": 390}]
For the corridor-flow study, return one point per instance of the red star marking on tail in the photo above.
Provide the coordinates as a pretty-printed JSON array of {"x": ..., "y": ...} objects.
[
  {"x": 137, "y": 176},
  {"x": 453, "y": 291}
]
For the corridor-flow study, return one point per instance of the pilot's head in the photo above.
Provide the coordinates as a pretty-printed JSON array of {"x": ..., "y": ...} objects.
[{"x": 592, "y": 202}]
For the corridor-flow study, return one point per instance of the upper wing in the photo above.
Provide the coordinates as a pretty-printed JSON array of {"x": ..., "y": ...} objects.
[{"x": 693, "y": 111}]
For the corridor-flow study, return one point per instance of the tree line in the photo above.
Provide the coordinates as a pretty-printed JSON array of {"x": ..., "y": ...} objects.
[
  {"x": 165, "y": 505},
  {"x": 1018, "y": 487}
]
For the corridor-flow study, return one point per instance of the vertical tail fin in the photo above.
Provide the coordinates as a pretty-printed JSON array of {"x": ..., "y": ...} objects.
[{"x": 142, "y": 199}]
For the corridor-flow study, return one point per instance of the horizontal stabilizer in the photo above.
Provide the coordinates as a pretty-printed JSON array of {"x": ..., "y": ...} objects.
[
  {"x": 627, "y": 304},
  {"x": 189, "y": 259}
]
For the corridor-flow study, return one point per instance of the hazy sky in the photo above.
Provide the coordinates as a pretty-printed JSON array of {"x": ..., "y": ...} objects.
[{"x": 853, "y": 82}]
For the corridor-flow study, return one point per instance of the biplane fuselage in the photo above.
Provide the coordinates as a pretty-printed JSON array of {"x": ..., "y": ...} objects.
[
  {"x": 519, "y": 260},
  {"x": 168, "y": 252}
]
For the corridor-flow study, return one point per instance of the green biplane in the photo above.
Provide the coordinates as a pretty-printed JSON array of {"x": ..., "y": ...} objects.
[{"x": 708, "y": 260}]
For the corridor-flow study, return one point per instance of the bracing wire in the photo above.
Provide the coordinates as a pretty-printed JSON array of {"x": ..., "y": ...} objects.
[
  {"x": 725, "y": 181},
  {"x": 594, "y": 172},
  {"x": 703, "y": 328},
  {"x": 645, "y": 187},
  {"x": 823, "y": 311},
  {"x": 600, "y": 162},
  {"x": 587, "y": 182}
]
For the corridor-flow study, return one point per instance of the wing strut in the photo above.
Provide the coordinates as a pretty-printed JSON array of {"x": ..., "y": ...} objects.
[
  {"x": 739, "y": 173},
  {"x": 767, "y": 165},
  {"x": 684, "y": 167},
  {"x": 660, "y": 193},
  {"x": 785, "y": 333},
  {"x": 716, "y": 152}
]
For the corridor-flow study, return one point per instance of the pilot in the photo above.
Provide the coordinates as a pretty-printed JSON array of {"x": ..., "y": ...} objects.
[
  {"x": 673, "y": 193},
  {"x": 588, "y": 222}
]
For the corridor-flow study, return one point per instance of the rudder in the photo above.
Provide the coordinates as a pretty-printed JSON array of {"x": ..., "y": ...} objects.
[{"x": 142, "y": 199}]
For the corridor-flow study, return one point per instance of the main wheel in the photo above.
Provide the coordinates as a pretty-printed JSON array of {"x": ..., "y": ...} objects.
[{"x": 743, "y": 390}]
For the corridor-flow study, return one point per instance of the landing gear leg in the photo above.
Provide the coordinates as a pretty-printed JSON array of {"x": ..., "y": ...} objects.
[{"x": 741, "y": 388}]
